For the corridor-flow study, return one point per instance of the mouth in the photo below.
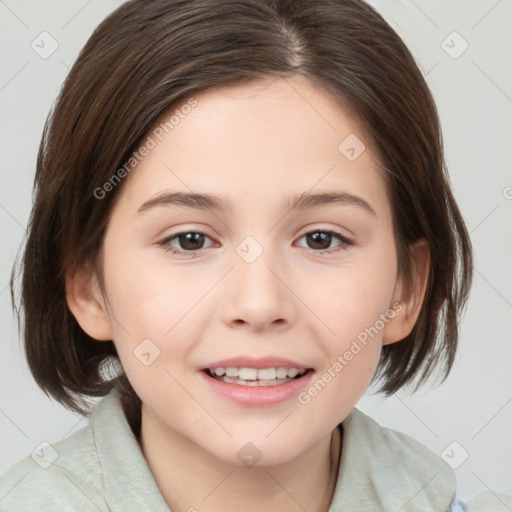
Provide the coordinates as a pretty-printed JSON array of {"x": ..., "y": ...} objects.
[
  {"x": 256, "y": 382},
  {"x": 256, "y": 377}
]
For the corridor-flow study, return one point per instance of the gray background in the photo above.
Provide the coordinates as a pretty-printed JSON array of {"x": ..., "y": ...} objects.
[{"x": 473, "y": 90}]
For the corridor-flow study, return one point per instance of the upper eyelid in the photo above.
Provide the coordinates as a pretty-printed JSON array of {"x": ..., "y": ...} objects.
[{"x": 303, "y": 232}]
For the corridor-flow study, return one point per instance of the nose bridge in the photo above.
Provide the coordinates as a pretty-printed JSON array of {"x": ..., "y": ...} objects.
[
  {"x": 256, "y": 256},
  {"x": 256, "y": 292}
]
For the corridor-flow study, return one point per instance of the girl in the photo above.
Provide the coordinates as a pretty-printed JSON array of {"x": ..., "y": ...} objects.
[{"x": 199, "y": 158}]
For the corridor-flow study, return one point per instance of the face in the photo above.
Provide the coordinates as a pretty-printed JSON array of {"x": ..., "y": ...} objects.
[{"x": 252, "y": 283}]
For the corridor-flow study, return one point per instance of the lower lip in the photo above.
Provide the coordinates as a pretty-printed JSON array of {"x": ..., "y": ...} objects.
[{"x": 258, "y": 396}]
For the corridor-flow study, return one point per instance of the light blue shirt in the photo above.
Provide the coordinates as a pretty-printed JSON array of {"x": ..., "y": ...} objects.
[{"x": 101, "y": 468}]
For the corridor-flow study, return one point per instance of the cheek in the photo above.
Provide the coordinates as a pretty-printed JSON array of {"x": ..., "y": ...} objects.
[
  {"x": 142, "y": 309},
  {"x": 149, "y": 330},
  {"x": 356, "y": 298},
  {"x": 146, "y": 300},
  {"x": 353, "y": 310},
  {"x": 356, "y": 308},
  {"x": 154, "y": 317}
]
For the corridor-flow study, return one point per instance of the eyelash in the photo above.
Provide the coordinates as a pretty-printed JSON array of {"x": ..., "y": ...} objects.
[{"x": 345, "y": 242}]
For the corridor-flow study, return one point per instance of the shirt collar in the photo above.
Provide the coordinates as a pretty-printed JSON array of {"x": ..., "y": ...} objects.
[
  {"x": 380, "y": 468},
  {"x": 129, "y": 482}
]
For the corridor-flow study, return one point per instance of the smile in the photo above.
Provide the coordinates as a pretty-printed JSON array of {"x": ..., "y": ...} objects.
[
  {"x": 256, "y": 383},
  {"x": 256, "y": 376}
]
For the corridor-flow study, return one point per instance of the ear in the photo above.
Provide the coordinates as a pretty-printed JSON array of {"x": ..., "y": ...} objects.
[
  {"x": 86, "y": 302},
  {"x": 410, "y": 298}
]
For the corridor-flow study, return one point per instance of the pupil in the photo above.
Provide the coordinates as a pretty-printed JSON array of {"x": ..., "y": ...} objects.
[
  {"x": 190, "y": 240},
  {"x": 318, "y": 237}
]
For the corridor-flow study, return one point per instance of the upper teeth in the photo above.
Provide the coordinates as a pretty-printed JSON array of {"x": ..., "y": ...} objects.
[{"x": 261, "y": 374}]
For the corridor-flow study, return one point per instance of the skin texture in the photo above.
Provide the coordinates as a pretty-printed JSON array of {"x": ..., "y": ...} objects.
[{"x": 255, "y": 144}]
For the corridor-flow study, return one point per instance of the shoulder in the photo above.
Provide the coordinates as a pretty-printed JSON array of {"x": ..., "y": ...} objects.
[
  {"x": 397, "y": 450},
  {"x": 384, "y": 469},
  {"x": 486, "y": 501},
  {"x": 99, "y": 468},
  {"x": 399, "y": 471},
  {"x": 62, "y": 476}
]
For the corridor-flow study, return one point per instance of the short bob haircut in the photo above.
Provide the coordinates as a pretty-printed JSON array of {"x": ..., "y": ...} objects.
[{"x": 149, "y": 55}]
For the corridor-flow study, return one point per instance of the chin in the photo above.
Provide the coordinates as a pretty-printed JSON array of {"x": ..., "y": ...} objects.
[{"x": 259, "y": 452}]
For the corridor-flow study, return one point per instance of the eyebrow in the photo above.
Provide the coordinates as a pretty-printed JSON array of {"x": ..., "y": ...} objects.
[{"x": 304, "y": 201}]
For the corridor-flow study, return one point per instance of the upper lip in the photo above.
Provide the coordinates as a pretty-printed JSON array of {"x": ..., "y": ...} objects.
[{"x": 253, "y": 362}]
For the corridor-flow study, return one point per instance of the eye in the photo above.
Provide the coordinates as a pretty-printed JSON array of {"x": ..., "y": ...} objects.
[
  {"x": 193, "y": 241},
  {"x": 190, "y": 241},
  {"x": 321, "y": 240}
]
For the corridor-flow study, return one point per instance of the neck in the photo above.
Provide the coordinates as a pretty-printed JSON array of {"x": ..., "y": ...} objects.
[{"x": 190, "y": 478}]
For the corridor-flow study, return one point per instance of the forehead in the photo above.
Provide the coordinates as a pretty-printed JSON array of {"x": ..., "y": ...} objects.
[
  {"x": 252, "y": 142},
  {"x": 290, "y": 112}
]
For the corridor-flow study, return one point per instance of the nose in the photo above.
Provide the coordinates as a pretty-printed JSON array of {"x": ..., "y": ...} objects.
[{"x": 257, "y": 296}]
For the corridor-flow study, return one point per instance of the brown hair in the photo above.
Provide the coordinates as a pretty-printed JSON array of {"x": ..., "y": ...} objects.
[{"x": 148, "y": 56}]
